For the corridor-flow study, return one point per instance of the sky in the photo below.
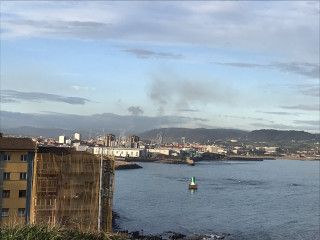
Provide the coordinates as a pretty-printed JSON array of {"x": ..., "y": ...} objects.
[{"x": 215, "y": 64}]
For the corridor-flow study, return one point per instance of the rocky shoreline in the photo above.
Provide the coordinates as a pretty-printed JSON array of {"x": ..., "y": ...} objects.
[
  {"x": 166, "y": 236},
  {"x": 123, "y": 165},
  {"x": 175, "y": 236}
]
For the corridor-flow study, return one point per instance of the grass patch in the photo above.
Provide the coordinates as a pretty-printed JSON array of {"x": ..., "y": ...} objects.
[{"x": 45, "y": 232}]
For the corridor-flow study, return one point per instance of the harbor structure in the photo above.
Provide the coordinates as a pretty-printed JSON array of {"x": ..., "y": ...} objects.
[{"x": 16, "y": 161}]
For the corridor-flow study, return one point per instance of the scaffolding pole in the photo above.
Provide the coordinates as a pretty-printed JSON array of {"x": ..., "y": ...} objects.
[{"x": 100, "y": 192}]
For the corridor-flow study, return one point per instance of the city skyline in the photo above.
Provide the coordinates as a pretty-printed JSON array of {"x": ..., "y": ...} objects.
[{"x": 232, "y": 64}]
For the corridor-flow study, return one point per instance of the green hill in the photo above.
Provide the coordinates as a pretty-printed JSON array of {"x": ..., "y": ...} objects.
[
  {"x": 269, "y": 135},
  {"x": 201, "y": 135}
]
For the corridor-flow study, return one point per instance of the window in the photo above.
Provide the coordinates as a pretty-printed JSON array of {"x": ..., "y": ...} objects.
[
  {"x": 24, "y": 158},
  {"x": 22, "y": 193},
  {"x": 23, "y": 176},
  {"x": 6, "y": 193},
  {"x": 21, "y": 211},
  {"x": 6, "y": 176},
  {"x": 7, "y": 157},
  {"x": 5, "y": 212}
]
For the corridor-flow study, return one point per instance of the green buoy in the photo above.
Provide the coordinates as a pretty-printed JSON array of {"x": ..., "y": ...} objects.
[{"x": 193, "y": 184}]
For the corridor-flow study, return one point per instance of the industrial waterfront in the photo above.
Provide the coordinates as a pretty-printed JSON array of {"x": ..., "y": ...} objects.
[{"x": 270, "y": 199}]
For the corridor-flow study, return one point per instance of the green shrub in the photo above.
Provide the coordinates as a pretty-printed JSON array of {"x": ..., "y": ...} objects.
[{"x": 46, "y": 232}]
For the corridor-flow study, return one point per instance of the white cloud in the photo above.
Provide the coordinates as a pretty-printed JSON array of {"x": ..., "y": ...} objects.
[
  {"x": 9, "y": 96},
  {"x": 77, "y": 88},
  {"x": 289, "y": 29}
]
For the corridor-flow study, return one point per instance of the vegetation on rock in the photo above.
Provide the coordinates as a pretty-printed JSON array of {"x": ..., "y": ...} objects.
[{"x": 46, "y": 232}]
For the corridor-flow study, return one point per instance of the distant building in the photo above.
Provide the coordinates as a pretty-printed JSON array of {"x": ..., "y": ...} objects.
[
  {"x": 16, "y": 161},
  {"x": 183, "y": 140},
  {"x": 133, "y": 139},
  {"x": 270, "y": 150},
  {"x": 77, "y": 136},
  {"x": 62, "y": 139},
  {"x": 109, "y": 140},
  {"x": 216, "y": 149},
  {"x": 159, "y": 151},
  {"x": 120, "y": 152}
]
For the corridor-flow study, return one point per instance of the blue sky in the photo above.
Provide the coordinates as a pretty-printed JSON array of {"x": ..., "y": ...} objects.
[{"x": 227, "y": 64}]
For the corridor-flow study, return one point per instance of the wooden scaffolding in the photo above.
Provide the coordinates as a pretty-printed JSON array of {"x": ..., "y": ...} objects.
[{"x": 66, "y": 189}]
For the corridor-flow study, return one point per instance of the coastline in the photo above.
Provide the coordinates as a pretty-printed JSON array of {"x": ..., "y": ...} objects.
[
  {"x": 131, "y": 163},
  {"x": 165, "y": 236},
  {"x": 126, "y": 164},
  {"x": 280, "y": 157}
]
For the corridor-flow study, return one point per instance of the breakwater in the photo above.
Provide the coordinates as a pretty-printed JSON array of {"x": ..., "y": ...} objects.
[{"x": 123, "y": 165}]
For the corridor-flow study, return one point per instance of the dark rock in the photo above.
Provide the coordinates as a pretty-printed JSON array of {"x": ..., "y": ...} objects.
[
  {"x": 153, "y": 238},
  {"x": 135, "y": 234},
  {"x": 177, "y": 236}
]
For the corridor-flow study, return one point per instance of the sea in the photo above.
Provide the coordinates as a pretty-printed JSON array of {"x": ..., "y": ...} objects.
[{"x": 270, "y": 199}]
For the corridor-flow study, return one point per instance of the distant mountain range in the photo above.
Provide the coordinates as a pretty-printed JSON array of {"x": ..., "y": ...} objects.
[
  {"x": 147, "y": 128},
  {"x": 98, "y": 123},
  {"x": 201, "y": 135}
]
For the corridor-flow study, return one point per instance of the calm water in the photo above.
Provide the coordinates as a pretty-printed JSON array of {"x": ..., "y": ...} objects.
[{"x": 273, "y": 199}]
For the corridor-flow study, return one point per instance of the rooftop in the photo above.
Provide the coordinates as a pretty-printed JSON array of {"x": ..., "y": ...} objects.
[
  {"x": 56, "y": 150},
  {"x": 10, "y": 143}
]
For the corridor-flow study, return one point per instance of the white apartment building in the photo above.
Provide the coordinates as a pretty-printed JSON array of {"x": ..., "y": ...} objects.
[
  {"x": 62, "y": 139},
  {"x": 77, "y": 136}
]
